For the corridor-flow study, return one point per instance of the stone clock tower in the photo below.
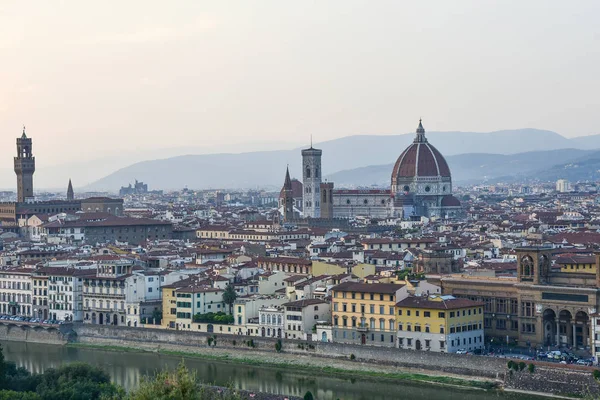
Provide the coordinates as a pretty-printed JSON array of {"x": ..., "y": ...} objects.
[
  {"x": 311, "y": 174},
  {"x": 24, "y": 168}
]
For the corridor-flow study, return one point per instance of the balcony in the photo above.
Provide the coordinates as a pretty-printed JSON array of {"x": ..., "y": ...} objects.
[
  {"x": 105, "y": 295},
  {"x": 362, "y": 328}
]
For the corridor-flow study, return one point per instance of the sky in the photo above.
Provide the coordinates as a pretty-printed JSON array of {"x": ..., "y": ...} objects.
[{"x": 111, "y": 78}]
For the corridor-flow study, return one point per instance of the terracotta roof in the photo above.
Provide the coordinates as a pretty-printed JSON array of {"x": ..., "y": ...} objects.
[
  {"x": 304, "y": 303},
  {"x": 425, "y": 302},
  {"x": 296, "y": 189},
  {"x": 358, "y": 287}
]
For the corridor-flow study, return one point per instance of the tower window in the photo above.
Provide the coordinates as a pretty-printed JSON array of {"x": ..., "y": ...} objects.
[
  {"x": 308, "y": 172},
  {"x": 406, "y": 188},
  {"x": 317, "y": 172},
  {"x": 428, "y": 188},
  {"x": 348, "y": 201}
]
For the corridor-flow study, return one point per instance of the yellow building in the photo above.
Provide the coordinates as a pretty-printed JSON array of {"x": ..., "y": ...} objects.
[
  {"x": 364, "y": 313},
  {"x": 169, "y": 303},
  {"x": 586, "y": 264},
  {"x": 439, "y": 323}
]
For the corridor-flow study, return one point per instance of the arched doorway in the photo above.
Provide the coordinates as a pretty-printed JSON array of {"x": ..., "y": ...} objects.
[
  {"x": 210, "y": 328},
  {"x": 363, "y": 339},
  {"x": 550, "y": 337},
  {"x": 279, "y": 332},
  {"x": 581, "y": 329},
  {"x": 565, "y": 322},
  {"x": 418, "y": 344},
  {"x": 115, "y": 319},
  {"x": 101, "y": 319},
  {"x": 324, "y": 337},
  {"x": 262, "y": 331}
]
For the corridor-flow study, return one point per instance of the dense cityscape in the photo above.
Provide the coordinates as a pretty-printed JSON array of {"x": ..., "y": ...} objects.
[
  {"x": 508, "y": 270},
  {"x": 270, "y": 200}
]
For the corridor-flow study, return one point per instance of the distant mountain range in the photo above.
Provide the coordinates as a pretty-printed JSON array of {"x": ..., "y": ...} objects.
[
  {"x": 366, "y": 160},
  {"x": 474, "y": 168}
]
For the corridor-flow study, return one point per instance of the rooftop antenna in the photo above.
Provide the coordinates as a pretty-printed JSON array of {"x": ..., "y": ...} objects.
[{"x": 311, "y": 141}]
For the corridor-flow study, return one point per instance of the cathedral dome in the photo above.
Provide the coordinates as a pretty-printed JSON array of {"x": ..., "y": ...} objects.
[{"x": 420, "y": 159}]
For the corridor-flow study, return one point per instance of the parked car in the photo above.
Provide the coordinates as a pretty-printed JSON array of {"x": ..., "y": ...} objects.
[{"x": 462, "y": 351}]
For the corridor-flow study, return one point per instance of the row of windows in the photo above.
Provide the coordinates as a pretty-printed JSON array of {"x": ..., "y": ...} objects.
[
  {"x": 354, "y": 322},
  {"x": 362, "y": 307},
  {"x": 441, "y": 314},
  {"x": 381, "y": 337},
  {"x": 371, "y": 296}
]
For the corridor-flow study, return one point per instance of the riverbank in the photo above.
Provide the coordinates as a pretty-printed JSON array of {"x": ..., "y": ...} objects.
[
  {"x": 396, "y": 364},
  {"x": 350, "y": 370},
  {"x": 337, "y": 359}
]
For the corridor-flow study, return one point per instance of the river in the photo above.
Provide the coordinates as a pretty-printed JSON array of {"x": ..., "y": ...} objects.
[{"x": 127, "y": 369}]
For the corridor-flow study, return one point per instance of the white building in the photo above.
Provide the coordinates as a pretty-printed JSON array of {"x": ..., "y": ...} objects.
[
  {"x": 563, "y": 186},
  {"x": 15, "y": 292},
  {"x": 143, "y": 294},
  {"x": 104, "y": 293},
  {"x": 302, "y": 316},
  {"x": 271, "y": 321},
  {"x": 65, "y": 292}
]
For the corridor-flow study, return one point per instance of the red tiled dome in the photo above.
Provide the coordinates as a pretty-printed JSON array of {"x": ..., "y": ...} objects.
[
  {"x": 420, "y": 159},
  {"x": 450, "y": 201}
]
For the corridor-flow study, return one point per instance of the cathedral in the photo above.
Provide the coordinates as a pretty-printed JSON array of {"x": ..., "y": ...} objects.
[{"x": 421, "y": 186}]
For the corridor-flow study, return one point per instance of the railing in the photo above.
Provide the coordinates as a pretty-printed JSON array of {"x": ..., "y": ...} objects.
[{"x": 105, "y": 295}]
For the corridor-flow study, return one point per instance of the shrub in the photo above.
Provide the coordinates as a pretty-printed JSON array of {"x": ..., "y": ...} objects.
[
  {"x": 522, "y": 366},
  {"x": 278, "y": 346},
  {"x": 308, "y": 396},
  {"x": 234, "y": 342},
  {"x": 531, "y": 368},
  {"x": 352, "y": 357},
  {"x": 510, "y": 364},
  {"x": 596, "y": 374},
  {"x": 210, "y": 340}
]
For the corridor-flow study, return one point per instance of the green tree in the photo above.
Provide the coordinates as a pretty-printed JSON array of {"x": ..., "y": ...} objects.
[
  {"x": 77, "y": 381},
  {"x": 229, "y": 296},
  {"x": 12, "y": 395},
  {"x": 308, "y": 396},
  {"x": 180, "y": 384}
]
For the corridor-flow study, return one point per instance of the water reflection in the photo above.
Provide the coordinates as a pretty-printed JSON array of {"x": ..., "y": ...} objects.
[{"x": 127, "y": 369}]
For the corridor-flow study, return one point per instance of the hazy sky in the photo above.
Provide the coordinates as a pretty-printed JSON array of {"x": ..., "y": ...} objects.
[{"x": 92, "y": 78}]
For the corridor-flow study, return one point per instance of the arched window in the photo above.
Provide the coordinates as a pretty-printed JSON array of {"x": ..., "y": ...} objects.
[
  {"x": 317, "y": 172},
  {"x": 307, "y": 171}
]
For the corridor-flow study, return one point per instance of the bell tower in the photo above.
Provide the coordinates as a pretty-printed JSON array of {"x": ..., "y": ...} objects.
[
  {"x": 24, "y": 168},
  {"x": 311, "y": 182},
  {"x": 533, "y": 264},
  {"x": 288, "y": 198}
]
